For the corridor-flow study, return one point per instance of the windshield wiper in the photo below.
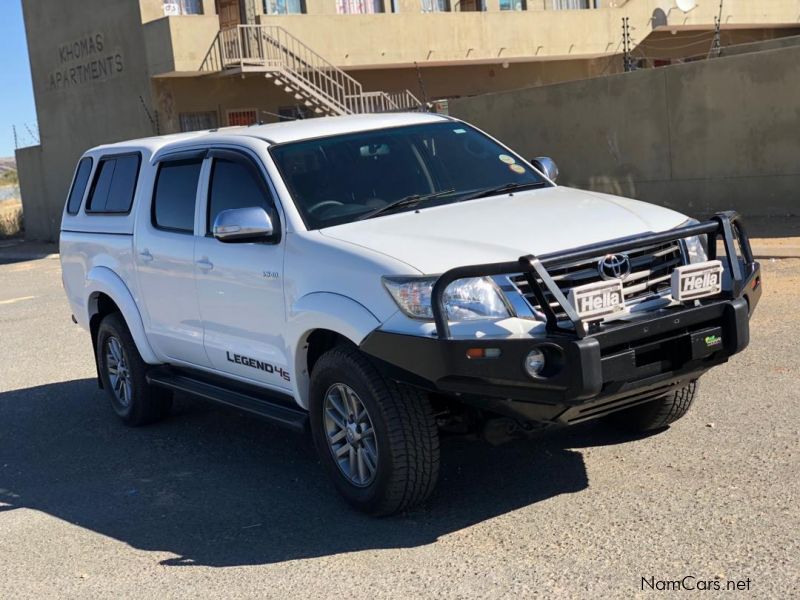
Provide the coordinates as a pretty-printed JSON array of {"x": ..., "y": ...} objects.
[
  {"x": 412, "y": 200},
  {"x": 507, "y": 187}
]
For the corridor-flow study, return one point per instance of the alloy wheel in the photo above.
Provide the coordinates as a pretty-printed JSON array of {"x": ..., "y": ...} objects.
[
  {"x": 119, "y": 374},
  {"x": 351, "y": 435}
]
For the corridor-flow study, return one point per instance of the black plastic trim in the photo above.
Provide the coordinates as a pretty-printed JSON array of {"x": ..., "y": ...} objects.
[
  {"x": 274, "y": 406},
  {"x": 618, "y": 358},
  {"x": 726, "y": 225}
]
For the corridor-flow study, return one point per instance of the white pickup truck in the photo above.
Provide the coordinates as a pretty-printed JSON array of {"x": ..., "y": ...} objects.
[{"x": 383, "y": 278}]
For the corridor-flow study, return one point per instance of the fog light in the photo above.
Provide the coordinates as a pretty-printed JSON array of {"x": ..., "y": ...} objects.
[{"x": 534, "y": 363}]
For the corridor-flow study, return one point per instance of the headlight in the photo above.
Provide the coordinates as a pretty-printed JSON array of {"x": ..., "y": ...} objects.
[
  {"x": 696, "y": 246},
  {"x": 696, "y": 250},
  {"x": 464, "y": 300}
]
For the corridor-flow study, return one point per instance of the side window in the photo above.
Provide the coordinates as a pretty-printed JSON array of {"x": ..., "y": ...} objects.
[
  {"x": 79, "y": 185},
  {"x": 235, "y": 184},
  {"x": 114, "y": 184},
  {"x": 175, "y": 194}
]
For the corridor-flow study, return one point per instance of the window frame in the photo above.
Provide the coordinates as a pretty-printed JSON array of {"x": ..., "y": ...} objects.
[
  {"x": 244, "y": 158},
  {"x": 85, "y": 189},
  {"x": 96, "y": 175},
  {"x": 177, "y": 157}
]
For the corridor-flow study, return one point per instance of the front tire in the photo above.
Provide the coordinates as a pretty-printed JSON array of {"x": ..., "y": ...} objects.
[
  {"x": 656, "y": 414},
  {"x": 124, "y": 375},
  {"x": 377, "y": 439}
]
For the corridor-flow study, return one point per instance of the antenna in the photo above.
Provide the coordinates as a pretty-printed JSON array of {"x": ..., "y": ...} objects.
[{"x": 686, "y": 5}]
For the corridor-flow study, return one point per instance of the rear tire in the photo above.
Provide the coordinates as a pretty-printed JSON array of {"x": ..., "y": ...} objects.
[
  {"x": 384, "y": 459},
  {"x": 656, "y": 414},
  {"x": 124, "y": 375}
]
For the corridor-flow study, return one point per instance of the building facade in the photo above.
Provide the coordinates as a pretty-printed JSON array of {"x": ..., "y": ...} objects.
[{"x": 107, "y": 71}]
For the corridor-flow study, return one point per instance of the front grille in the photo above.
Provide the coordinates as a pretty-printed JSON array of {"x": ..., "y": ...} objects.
[{"x": 651, "y": 269}]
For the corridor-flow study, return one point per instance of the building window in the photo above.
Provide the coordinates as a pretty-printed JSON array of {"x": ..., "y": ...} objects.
[
  {"x": 292, "y": 113},
  {"x": 173, "y": 8},
  {"x": 244, "y": 117},
  {"x": 198, "y": 121},
  {"x": 359, "y": 7},
  {"x": 435, "y": 5},
  {"x": 513, "y": 5},
  {"x": 573, "y": 4},
  {"x": 455, "y": 5},
  {"x": 470, "y": 5},
  {"x": 284, "y": 7}
]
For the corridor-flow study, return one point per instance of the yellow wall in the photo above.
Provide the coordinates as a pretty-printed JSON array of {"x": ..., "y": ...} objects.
[
  {"x": 175, "y": 95},
  {"x": 91, "y": 86}
]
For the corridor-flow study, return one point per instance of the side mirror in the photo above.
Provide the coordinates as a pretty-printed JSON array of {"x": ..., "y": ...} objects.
[
  {"x": 547, "y": 166},
  {"x": 241, "y": 225}
]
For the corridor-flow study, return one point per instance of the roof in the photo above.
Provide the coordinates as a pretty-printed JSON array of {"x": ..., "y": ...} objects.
[
  {"x": 291, "y": 131},
  {"x": 286, "y": 131}
]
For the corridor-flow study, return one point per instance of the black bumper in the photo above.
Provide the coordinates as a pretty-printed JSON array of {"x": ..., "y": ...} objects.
[{"x": 613, "y": 366}]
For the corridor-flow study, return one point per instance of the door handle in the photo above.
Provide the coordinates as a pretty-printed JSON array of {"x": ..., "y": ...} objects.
[
  {"x": 146, "y": 256},
  {"x": 205, "y": 264}
]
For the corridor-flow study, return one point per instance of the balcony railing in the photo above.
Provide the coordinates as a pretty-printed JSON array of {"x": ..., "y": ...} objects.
[{"x": 299, "y": 69}]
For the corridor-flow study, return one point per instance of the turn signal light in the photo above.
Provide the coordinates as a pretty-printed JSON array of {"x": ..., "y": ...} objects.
[{"x": 483, "y": 353}]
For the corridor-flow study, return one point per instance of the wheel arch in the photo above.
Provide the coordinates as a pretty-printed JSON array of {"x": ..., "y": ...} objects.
[
  {"x": 318, "y": 322},
  {"x": 106, "y": 292}
]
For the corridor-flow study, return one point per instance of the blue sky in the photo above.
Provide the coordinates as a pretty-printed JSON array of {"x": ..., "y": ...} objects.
[{"x": 16, "y": 91}]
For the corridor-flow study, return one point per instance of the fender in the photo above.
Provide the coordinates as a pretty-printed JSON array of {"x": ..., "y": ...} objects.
[
  {"x": 322, "y": 310},
  {"x": 103, "y": 279}
]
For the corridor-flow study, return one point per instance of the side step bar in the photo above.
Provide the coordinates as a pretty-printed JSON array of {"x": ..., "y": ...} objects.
[{"x": 270, "y": 405}]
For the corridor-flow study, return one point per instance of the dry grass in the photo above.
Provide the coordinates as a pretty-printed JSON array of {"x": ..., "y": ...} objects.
[{"x": 10, "y": 219}]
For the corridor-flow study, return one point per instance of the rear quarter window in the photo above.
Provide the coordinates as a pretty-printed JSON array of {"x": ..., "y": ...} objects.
[
  {"x": 79, "y": 184},
  {"x": 114, "y": 184}
]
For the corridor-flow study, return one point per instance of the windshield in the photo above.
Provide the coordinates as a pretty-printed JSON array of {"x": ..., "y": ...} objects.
[{"x": 339, "y": 179}]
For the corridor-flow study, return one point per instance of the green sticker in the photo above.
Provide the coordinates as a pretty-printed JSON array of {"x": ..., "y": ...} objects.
[{"x": 713, "y": 340}]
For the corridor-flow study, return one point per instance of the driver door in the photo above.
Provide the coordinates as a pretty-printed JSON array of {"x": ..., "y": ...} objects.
[{"x": 240, "y": 285}]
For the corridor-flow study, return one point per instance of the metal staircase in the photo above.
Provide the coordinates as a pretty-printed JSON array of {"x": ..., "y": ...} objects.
[{"x": 318, "y": 84}]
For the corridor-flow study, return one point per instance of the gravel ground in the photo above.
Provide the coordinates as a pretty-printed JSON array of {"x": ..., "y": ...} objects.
[{"x": 213, "y": 504}]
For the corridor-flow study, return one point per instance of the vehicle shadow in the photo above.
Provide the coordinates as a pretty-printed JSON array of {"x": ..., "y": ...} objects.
[
  {"x": 16, "y": 250},
  {"x": 215, "y": 487}
]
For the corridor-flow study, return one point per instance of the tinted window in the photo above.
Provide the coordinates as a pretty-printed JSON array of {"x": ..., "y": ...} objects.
[
  {"x": 338, "y": 179},
  {"x": 174, "y": 199},
  {"x": 235, "y": 185},
  {"x": 114, "y": 184},
  {"x": 79, "y": 185}
]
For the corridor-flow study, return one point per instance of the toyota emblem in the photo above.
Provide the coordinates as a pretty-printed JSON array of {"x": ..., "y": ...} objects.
[{"x": 614, "y": 266}]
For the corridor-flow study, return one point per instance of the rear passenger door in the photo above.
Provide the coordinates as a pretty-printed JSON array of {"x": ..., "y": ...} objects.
[
  {"x": 240, "y": 285},
  {"x": 164, "y": 253}
]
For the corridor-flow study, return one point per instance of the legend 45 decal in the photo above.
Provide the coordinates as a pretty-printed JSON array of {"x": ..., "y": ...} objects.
[{"x": 258, "y": 364}]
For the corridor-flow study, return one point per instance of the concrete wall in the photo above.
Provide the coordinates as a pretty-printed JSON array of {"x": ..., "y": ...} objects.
[
  {"x": 698, "y": 137},
  {"x": 38, "y": 213},
  {"x": 89, "y": 70},
  {"x": 179, "y": 44}
]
